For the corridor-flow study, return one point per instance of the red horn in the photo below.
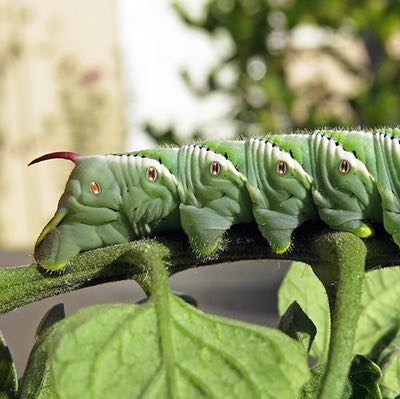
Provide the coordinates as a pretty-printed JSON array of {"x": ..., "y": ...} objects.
[{"x": 72, "y": 156}]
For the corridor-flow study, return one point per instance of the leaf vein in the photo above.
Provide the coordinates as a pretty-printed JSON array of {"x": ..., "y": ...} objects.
[{"x": 229, "y": 359}]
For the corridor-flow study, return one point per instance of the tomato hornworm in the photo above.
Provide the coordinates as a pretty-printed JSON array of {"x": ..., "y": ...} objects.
[{"x": 344, "y": 178}]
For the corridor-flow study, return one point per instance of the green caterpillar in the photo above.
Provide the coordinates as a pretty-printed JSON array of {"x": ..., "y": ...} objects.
[{"x": 344, "y": 178}]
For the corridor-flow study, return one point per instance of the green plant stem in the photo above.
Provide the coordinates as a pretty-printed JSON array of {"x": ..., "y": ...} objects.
[
  {"x": 25, "y": 284},
  {"x": 342, "y": 274},
  {"x": 152, "y": 259},
  {"x": 160, "y": 293}
]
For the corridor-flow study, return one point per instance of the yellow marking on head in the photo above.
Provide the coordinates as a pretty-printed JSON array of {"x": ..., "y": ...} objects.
[{"x": 54, "y": 222}]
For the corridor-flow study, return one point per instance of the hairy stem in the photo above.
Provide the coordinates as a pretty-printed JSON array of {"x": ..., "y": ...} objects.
[
  {"x": 342, "y": 274},
  {"x": 154, "y": 281},
  {"x": 25, "y": 284}
]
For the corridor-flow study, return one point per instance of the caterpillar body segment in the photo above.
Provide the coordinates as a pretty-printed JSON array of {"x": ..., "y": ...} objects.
[
  {"x": 343, "y": 189},
  {"x": 388, "y": 181},
  {"x": 344, "y": 178},
  {"x": 213, "y": 197},
  {"x": 279, "y": 189},
  {"x": 379, "y": 151}
]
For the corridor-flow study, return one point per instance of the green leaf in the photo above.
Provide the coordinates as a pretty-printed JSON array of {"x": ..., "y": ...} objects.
[
  {"x": 37, "y": 380},
  {"x": 390, "y": 384},
  {"x": 298, "y": 325},
  {"x": 390, "y": 364},
  {"x": 52, "y": 316},
  {"x": 8, "y": 373},
  {"x": 364, "y": 376},
  {"x": 131, "y": 351},
  {"x": 311, "y": 388},
  {"x": 301, "y": 285},
  {"x": 379, "y": 319}
]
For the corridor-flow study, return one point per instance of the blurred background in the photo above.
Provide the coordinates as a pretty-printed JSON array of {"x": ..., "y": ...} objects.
[{"x": 101, "y": 76}]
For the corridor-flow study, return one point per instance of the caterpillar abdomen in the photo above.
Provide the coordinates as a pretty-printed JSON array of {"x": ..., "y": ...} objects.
[{"x": 346, "y": 179}]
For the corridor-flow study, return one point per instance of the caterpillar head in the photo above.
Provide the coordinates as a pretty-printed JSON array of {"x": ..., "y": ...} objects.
[{"x": 108, "y": 199}]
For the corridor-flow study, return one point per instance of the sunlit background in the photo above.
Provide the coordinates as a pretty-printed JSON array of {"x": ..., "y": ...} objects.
[{"x": 99, "y": 76}]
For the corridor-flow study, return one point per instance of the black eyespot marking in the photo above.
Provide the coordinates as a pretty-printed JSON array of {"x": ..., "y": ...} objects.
[
  {"x": 281, "y": 168},
  {"x": 344, "y": 167}
]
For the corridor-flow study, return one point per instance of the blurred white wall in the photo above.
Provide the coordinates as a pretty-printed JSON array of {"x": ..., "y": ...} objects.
[
  {"x": 60, "y": 89},
  {"x": 155, "y": 47}
]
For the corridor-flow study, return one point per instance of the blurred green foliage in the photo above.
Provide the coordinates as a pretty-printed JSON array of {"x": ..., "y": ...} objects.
[{"x": 303, "y": 64}]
